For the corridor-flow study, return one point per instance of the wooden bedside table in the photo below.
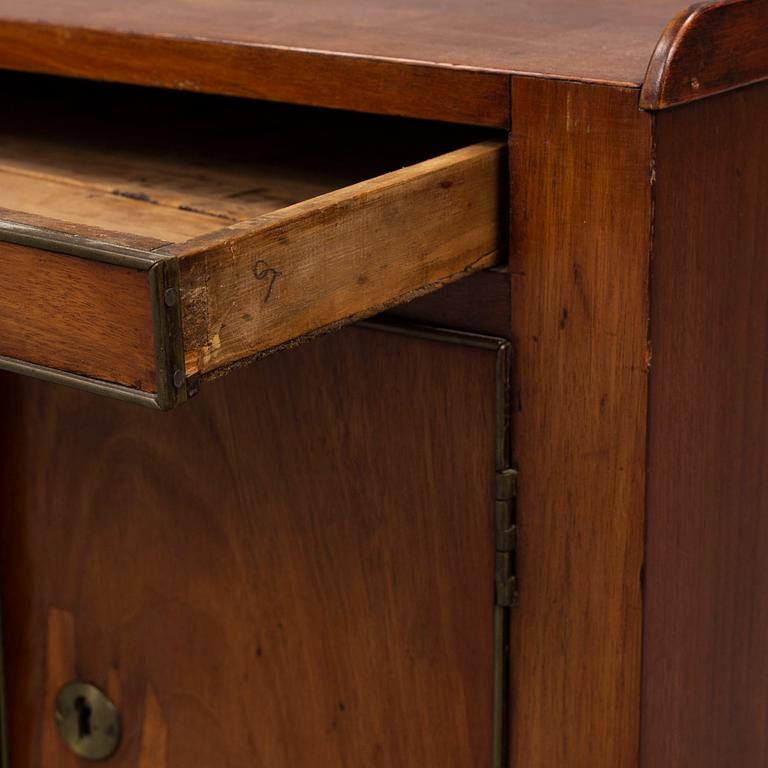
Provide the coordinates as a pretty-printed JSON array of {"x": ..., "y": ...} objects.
[{"x": 515, "y": 519}]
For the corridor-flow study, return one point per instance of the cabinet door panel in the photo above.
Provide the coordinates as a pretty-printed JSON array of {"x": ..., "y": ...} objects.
[{"x": 297, "y": 571}]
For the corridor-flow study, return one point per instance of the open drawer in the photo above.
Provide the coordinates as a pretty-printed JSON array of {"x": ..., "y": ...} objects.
[{"x": 149, "y": 240}]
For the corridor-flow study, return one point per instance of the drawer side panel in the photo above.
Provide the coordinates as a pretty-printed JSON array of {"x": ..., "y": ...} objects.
[{"x": 321, "y": 264}]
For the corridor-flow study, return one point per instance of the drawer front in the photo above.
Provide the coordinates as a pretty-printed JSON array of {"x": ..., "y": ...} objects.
[
  {"x": 73, "y": 314},
  {"x": 96, "y": 315}
]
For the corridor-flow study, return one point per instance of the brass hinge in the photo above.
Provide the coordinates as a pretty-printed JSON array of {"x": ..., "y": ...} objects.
[
  {"x": 505, "y": 533},
  {"x": 505, "y": 598},
  {"x": 506, "y": 537}
]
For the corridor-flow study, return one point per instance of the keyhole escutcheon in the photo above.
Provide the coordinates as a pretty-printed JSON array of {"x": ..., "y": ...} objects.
[{"x": 87, "y": 721}]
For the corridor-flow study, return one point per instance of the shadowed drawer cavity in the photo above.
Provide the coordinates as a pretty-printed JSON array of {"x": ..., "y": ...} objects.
[{"x": 150, "y": 240}]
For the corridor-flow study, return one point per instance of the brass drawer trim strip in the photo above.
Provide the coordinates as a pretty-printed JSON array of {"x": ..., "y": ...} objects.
[{"x": 173, "y": 386}]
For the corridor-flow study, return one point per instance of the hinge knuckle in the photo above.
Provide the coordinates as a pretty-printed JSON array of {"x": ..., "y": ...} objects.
[
  {"x": 506, "y": 584},
  {"x": 506, "y": 537},
  {"x": 506, "y": 484},
  {"x": 506, "y": 540}
]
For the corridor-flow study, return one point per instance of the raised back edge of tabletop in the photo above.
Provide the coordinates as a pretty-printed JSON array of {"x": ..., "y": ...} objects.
[{"x": 709, "y": 48}]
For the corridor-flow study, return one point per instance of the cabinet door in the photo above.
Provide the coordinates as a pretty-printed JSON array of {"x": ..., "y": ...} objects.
[{"x": 296, "y": 571}]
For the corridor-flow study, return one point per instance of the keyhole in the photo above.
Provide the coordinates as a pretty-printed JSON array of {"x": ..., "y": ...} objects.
[
  {"x": 86, "y": 720},
  {"x": 83, "y": 709}
]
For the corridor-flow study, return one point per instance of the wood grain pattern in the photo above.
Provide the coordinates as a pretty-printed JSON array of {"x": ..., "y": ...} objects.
[
  {"x": 60, "y": 664},
  {"x": 291, "y": 572},
  {"x": 305, "y": 77},
  {"x": 283, "y": 270},
  {"x": 581, "y": 199},
  {"x": 705, "y": 699},
  {"x": 222, "y": 193},
  {"x": 216, "y": 139},
  {"x": 62, "y": 199},
  {"x": 122, "y": 184},
  {"x": 87, "y": 231},
  {"x": 441, "y": 59},
  {"x": 153, "y": 752},
  {"x": 478, "y": 304},
  {"x": 263, "y": 283},
  {"x": 200, "y": 164},
  {"x": 709, "y": 48},
  {"x": 76, "y": 315}
]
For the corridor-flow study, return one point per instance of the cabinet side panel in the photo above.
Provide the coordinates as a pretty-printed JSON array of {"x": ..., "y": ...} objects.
[
  {"x": 581, "y": 211},
  {"x": 705, "y": 697}
]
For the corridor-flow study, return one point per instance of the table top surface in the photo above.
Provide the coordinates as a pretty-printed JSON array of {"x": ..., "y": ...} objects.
[
  {"x": 440, "y": 59},
  {"x": 594, "y": 40}
]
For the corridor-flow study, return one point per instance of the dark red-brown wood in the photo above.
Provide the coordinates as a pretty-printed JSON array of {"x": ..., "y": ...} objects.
[
  {"x": 478, "y": 303},
  {"x": 705, "y": 698},
  {"x": 77, "y": 315},
  {"x": 709, "y": 48},
  {"x": 580, "y": 158},
  {"x": 268, "y": 72},
  {"x": 443, "y": 59},
  {"x": 296, "y": 570},
  {"x": 602, "y": 40}
]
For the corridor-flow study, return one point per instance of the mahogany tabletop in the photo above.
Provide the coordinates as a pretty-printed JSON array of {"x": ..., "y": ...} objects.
[
  {"x": 444, "y": 59},
  {"x": 598, "y": 40}
]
